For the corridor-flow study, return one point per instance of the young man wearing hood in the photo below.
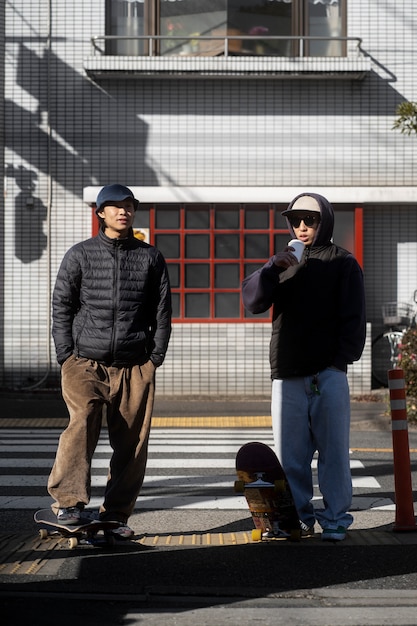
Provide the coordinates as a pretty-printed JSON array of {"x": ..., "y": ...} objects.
[
  {"x": 318, "y": 328},
  {"x": 111, "y": 327}
]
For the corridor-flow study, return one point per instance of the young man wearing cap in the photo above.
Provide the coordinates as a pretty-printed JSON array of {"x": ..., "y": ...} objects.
[
  {"x": 318, "y": 328},
  {"x": 111, "y": 327}
]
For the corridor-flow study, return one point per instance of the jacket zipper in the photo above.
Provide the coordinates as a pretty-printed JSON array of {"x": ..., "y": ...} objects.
[{"x": 115, "y": 293}]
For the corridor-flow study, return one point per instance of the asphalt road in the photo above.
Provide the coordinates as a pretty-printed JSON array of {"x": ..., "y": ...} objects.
[{"x": 371, "y": 578}]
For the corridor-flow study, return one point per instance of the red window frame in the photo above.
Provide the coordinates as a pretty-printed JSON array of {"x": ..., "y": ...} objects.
[{"x": 182, "y": 260}]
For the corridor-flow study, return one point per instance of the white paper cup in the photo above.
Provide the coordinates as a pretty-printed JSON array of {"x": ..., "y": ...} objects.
[{"x": 298, "y": 248}]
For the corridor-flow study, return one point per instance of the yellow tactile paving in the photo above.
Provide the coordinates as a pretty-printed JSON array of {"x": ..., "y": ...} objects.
[
  {"x": 29, "y": 555},
  {"x": 196, "y": 539},
  {"x": 252, "y": 421}
]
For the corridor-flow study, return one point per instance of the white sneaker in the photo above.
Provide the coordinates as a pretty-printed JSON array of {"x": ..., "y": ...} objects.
[
  {"x": 124, "y": 531},
  {"x": 69, "y": 517}
]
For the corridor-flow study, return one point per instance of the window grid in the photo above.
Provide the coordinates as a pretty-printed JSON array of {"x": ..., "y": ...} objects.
[
  {"x": 180, "y": 30},
  {"x": 213, "y": 260}
]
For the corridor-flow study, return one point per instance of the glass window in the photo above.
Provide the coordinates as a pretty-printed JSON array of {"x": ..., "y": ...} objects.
[
  {"x": 206, "y": 265},
  {"x": 169, "y": 245},
  {"x": 279, "y": 220},
  {"x": 197, "y": 246},
  {"x": 344, "y": 230},
  {"x": 168, "y": 218},
  {"x": 175, "y": 305},
  {"x": 197, "y": 305},
  {"x": 181, "y": 23},
  {"x": 125, "y": 17},
  {"x": 209, "y": 289},
  {"x": 227, "y": 305},
  {"x": 197, "y": 275},
  {"x": 257, "y": 18},
  {"x": 257, "y": 246},
  {"x": 226, "y": 246},
  {"x": 226, "y": 275},
  {"x": 197, "y": 218},
  {"x": 256, "y": 218},
  {"x": 189, "y": 19},
  {"x": 141, "y": 219},
  {"x": 174, "y": 274},
  {"x": 252, "y": 267},
  {"x": 227, "y": 219},
  {"x": 281, "y": 241},
  {"x": 325, "y": 20}
]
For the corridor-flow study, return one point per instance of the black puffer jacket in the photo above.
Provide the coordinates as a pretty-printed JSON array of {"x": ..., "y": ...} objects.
[
  {"x": 318, "y": 305},
  {"x": 112, "y": 302}
]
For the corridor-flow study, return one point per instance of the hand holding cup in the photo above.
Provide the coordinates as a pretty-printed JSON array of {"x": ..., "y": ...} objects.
[{"x": 298, "y": 248}]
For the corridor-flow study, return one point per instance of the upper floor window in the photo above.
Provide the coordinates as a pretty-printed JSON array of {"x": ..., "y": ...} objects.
[{"x": 322, "y": 22}]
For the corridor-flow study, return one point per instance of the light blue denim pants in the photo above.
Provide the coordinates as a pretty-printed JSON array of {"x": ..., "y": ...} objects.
[{"x": 305, "y": 421}]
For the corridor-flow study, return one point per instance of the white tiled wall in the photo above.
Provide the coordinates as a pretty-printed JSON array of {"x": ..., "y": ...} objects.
[
  {"x": 231, "y": 359},
  {"x": 64, "y": 132}
]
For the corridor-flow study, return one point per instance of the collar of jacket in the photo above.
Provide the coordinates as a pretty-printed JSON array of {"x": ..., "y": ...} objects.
[{"x": 113, "y": 243}]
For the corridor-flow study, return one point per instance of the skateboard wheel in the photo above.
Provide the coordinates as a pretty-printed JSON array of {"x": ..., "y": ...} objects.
[
  {"x": 239, "y": 486},
  {"x": 279, "y": 486},
  {"x": 256, "y": 534},
  {"x": 110, "y": 539},
  {"x": 43, "y": 533},
  {"x": 72, "y": 543}
]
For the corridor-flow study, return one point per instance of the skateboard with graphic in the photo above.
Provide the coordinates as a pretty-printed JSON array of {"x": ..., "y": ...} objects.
[
  {"x": 86, "y": 531},
  {"x": 263, "y": 482}
]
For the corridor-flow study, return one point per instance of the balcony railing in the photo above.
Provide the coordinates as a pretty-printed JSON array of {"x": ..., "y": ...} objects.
[
  {"x": 275, "y": 56},
  {"x": 227, "y": 44}
]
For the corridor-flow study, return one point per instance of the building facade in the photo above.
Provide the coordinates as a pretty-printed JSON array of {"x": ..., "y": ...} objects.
[{"x": 216, "y": 114}]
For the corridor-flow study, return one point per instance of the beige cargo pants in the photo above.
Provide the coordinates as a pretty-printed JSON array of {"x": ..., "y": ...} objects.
[{"x": 128, "y": 395}]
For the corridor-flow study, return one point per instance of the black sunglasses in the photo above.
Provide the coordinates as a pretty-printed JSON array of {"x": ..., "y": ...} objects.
[{"x": 310, "y": 219}]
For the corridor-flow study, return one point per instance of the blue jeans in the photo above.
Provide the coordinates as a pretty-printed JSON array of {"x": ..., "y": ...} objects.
[{"x": 304, "y": 422}]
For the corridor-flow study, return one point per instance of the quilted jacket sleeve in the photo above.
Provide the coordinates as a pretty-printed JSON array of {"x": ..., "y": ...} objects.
[
  {"x": 161, "y": 323},
  {"x": 65, "y": 304}
]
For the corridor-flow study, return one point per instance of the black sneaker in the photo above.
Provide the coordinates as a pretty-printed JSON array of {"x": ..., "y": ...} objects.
[
  {"x": 306, "y": 531},
  {"x": 124, "y": 531},
  {"x": 69, "y": 517}
]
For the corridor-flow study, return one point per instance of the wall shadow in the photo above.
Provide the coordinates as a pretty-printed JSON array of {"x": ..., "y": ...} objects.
[{"x": 86, "y": 146}]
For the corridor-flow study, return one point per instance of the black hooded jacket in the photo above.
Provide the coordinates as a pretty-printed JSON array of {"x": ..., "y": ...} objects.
[
  {"x": 112, "y": 302},
  {"x": 318, "y": 305}
]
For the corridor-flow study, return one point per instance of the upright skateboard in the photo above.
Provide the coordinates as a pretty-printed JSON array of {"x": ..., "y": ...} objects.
[
  {"x": 268, "y": 494},
  {"x": 85, "y": 532}
]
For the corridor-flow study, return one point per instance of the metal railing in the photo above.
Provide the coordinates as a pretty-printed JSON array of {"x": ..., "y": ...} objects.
[{"x": 152, "y": 44}]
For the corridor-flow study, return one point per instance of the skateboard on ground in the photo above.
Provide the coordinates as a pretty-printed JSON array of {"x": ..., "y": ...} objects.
[
  {"x": 263, "y": 482},
  {"x": 86, "y": 531}
]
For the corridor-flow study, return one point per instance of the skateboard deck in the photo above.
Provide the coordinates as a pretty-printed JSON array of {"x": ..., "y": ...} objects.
[
  {"x": 264, "y": 484},
  {"x": 84, "y": 532}
]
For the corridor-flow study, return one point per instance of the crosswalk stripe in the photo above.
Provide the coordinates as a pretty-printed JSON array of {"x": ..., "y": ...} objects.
[
  {"x": 187, "y": 448},
  {"x": 153, "y": 463},
  {"x": 187, "y": 469},
  {"x": 168, "y": 481}
]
